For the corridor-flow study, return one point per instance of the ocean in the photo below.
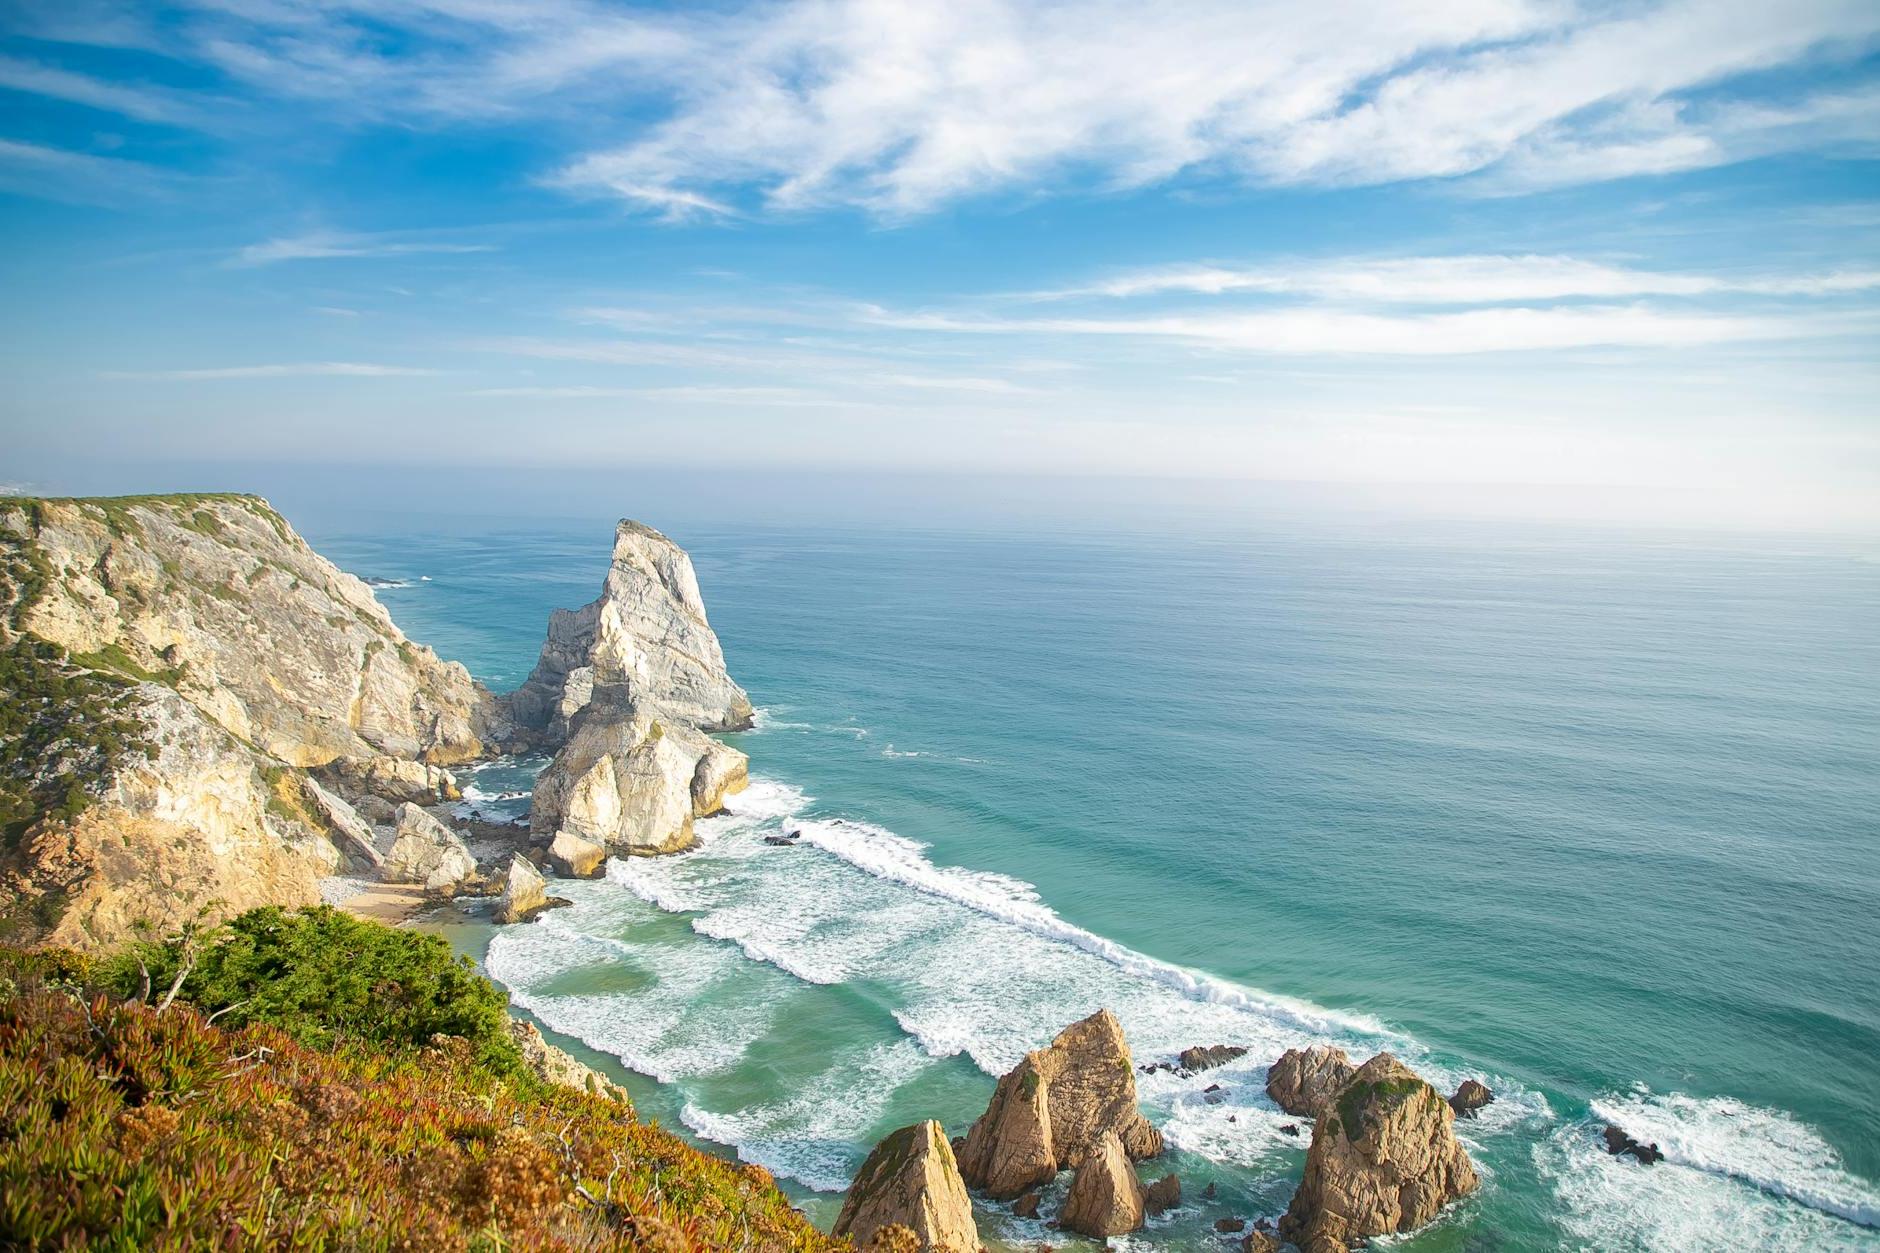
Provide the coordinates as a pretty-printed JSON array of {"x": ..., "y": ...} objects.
[{"x": 1591, "y": 815}]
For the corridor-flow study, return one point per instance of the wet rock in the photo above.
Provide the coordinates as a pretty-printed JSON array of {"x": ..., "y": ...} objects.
[
  {"x": 1207, "y": 1193},
  {"x": 1105, "y": 1197},
  {"x": 1289, "y": 1129},
  {"x": 1207, "y": 1058},
  {"x": 1214, "y": 1094},
  {"x": 1026, "y": 1206},
  {"x": 1470, "y": 1096},
  {"x": 1050, "y": 1111},
  {"x": 1384, "y": 1159},
  {"x": 1618, "y": 1142},
  {"x": 1162, "y": 1195},
  {"x": 911, "y": 1181},
  {"x": 1302, "y": 1081}
]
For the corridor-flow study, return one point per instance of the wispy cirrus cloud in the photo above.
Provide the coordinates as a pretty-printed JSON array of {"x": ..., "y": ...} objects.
[
  {"x": 1461, "y": 279},
  {"x": 134, "y": 100},
  {"x": 287, "y": 369},
  {"x": 328, "y": 245},
  {"x": 60, "y": 174}
]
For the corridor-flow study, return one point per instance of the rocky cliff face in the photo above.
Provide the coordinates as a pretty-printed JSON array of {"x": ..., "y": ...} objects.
[
  {"x": 625, "y": 690},
  {"x": 172, "y": 666},
  {"x": 910, "y": 1180},
  {"x": 1384, "y": 1158},
  {"x": 1054, "y": 1109}
]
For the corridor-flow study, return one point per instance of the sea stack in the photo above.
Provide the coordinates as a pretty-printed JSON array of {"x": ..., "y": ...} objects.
[
  {"x": 1384, "y": 1159},
  {"x": 1303, "y": 1081},
  {"x": 911, "y": 1181},
  {"x": 624, "y": 692},
  {"x": 1052, "y": 1110}
]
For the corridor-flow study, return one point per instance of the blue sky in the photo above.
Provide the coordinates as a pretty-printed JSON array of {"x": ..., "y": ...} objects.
[{"x": 1498, "y": 242}]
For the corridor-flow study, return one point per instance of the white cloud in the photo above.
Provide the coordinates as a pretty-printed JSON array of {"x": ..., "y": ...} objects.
[
  {"x": 322, "y": 245},
  {"x": 956, "y": 383},
  {"x": 296, "y": 369},
  {"x": 147, "y": 104},
  {"x": 1317, "y": 331},
  {"x": 79, "y": 177},
  {"x": 1464, "y": 279}
]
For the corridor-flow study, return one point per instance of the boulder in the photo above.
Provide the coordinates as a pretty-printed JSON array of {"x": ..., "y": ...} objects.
[
  {"x": 1105, "y": 1198},
  {"x": 575, "y": 858},
  {"x": 1207, "y": 1058},
  {"x": 525, "y": 892},
  {"x": 1230, "y": 1226},
  {"x": 1617, "y": 1142},
  {"x": 1051, "y": 1110},
  {"x": 1384, "y": 1159},
  {"x": 1162, "y": 1195},
  {"x": 424, "y": 850},
  {"x": 1303, "y": 1081},
  {"x": 911, "y": 1180},
  {"x": 1026, "y": 1206},
  {"x": 1469, "y": 1097}
]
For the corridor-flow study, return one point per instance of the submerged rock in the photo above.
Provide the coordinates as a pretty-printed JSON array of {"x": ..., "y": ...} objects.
[
  {"x": 1054, "y": 1107},
  {"x": 1207, "y": 1058},
  {"x": 575, "y": 858},
  {"x": 911, "y": 1180},
  {"x": 1470, "y": 1096},
  {"x": 1230, "y": 1226},
  {"x": 1105, "y": 1197},
  {"x": 1384, "y": 1159},
  {"x": 426, "y": 851},
  {"x": 1303, "y": 1081},
  {"x": 1618, "y": 1142}
]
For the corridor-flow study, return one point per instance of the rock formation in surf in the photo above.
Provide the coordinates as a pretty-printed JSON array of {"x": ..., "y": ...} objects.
[
  {"x": 1470, "y": 1095},
  {"x": 1384, "y": 1159},
  {"x": 1052, "y": 1110},
  {"x": 1105, "y": 1197},
  {"x": 1207, "y": 1057},
  {"x": 625, "y": 690},
  {"x": 911, "y": 1181},
  {"x": 1303, "y": 1081},
  {"x": 173, "y": 668}
]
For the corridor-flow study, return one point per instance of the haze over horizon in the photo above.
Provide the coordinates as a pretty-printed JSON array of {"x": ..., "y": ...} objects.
[{"x": 1550, "y": 253}]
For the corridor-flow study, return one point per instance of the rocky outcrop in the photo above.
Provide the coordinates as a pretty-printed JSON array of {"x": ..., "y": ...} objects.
[
  {"x": 1105, "y": 1198},
  {"x": 425, "y": 851},
  {"x": 553, "y": 1065},
  {"x": 1054, "y": 1108},
  {"x": 645, "y": 636},
  {"x": 1303, "y": 1081},
  {"x": 224, "y": 659},
  {"x": 1619, "y": 1142},
  {"x": 575, "y": 858},
  {"x": 1162, "y": 1195},
  {"x": 525, "y": 892},
  {"x": 625, "y": 690},
  {"x": 1207, "y": 1057},
  {"x": 912, "y": 1181},
  {"x": 1384, "y": 1159},
  {"x": 1470, "y": 1096}
]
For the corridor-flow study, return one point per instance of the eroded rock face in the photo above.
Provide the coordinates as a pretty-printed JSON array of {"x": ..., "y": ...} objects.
[
  {"x": 1303, "y": 1081},
  {"x": 630, "y": 783},
  {"x": 553, "y": 1065},
  {"x": 425, "y": 851},
  {"x": 646, "y": 635},
  {"x": 1105, "y": 1197},
  {"x": 1053, "y": 1109},
  {"x": 1384, "y": 1159},
  {"x": 911, "y": 1180}
]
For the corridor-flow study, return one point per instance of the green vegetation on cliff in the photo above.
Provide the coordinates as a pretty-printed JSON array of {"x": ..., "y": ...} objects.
[
  {"x": 63, "y": 728},
  {"x": 128, "y": 1126}
]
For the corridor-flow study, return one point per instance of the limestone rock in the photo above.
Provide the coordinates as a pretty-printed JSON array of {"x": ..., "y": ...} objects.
[
  {"x": 911, "y": 1180},
  {"x": 249, "y": 624},
  {"x": 424, "y": 850},
  {"x": 1105, "y": 1198},
  {"x": 1470, "y": 1096},
  {"x": 646, "y": 636},
  {"x": 1303, "y": 1081},
  {"x": 575, "y": 858},
  {"x": 1052, "y": 1109},
  {"x": 553, "y": 1065},
  {"x": 203, "y": 820},
  {"x": 1202, "y": 1058},
  {"x": 392, "y": 779},
  {"x": 1162, "y": 1195},
  {"x": 721, "y": 771},
  {"x": 1384, "y": 1159},
  {"x": 629, "y": 784},
  {"x": 524, "y": 892},
  {"x": 355, "y": 835}
]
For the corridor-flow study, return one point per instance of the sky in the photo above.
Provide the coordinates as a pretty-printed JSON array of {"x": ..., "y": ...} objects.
[{"x": 1518, "y": 246}]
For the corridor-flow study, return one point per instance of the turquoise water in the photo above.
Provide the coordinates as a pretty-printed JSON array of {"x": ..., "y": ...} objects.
[{"x": 1594, "y": 818}]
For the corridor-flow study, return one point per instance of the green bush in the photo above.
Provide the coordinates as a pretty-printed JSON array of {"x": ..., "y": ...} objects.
[{"x": 326, "y": 978}]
